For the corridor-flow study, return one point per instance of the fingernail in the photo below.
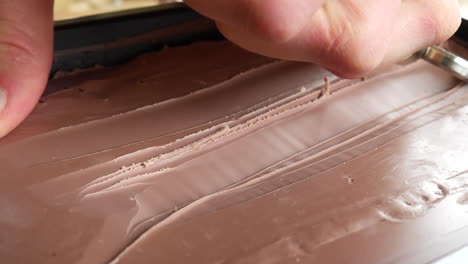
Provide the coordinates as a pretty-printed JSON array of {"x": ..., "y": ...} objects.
[{"x": 3, "y": 98}]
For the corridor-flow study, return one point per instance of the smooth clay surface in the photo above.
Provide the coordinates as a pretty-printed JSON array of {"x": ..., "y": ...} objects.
[{"x": 183, "y": 157}]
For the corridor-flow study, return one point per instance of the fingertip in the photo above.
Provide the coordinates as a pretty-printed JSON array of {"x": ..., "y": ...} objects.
[
  {"x": 21, "y": 84},
  {"x": 18, "y": 100},
  {"x": 26, "y": 29}
]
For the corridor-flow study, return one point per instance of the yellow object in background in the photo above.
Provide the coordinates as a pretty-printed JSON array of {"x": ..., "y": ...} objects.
[{"x": 65, "y": 9}]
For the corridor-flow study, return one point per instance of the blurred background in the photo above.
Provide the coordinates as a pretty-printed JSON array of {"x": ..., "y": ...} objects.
[{"x": 65, "y": 9}]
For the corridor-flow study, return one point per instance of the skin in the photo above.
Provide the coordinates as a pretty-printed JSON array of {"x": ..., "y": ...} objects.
[{"x": 348, "y": 37}]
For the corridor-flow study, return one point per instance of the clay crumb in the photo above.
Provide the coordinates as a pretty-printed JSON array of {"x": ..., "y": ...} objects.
[
  {"x": 146, "y": 164},
  {"x": 326, "y": 88},
  {"x": 349, "y": 180}
]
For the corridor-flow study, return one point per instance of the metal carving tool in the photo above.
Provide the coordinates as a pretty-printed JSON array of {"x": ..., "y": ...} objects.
[{"x": 441, "y": 57}]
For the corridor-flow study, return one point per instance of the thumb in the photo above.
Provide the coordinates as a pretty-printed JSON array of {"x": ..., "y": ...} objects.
[{"x": 26, "y": 29}]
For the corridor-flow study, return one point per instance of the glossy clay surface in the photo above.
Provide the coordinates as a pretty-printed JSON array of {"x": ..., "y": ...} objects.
[{"x": 235, "y": 158}]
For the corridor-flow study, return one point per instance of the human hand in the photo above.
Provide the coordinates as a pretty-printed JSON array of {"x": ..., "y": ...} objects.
[
  {"x": 348, "y": 37},
  {"x": 26, "y": 28}
]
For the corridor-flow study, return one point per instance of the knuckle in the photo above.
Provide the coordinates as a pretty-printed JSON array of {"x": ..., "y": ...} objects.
[
  {"x": 272, "y": 23},
  {"x": 432, "y": 28},
  {"x": 344, "y": 43},
  {"x": 440, "y": 21},
  {"x": 350, "y": 51},
  {"x": 356, "y": 64},
  {"x": 276, "y": 32},
  {"x": 16, "y": 43}
]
